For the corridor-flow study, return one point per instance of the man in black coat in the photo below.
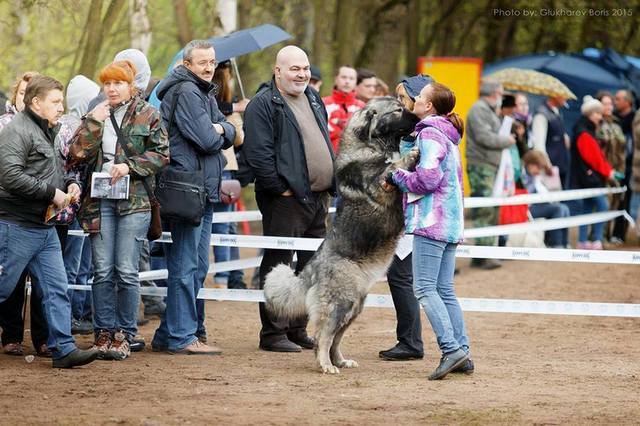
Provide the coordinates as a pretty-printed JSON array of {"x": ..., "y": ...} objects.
[
  {"x": 31, "y": 181},
  {"x": 287, "y": 148}
]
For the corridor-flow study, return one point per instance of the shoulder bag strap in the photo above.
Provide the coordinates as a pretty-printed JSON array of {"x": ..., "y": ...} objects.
[{"x": 114, "y": 122}]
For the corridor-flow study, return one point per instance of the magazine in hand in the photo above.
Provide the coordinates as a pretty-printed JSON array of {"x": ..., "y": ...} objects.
[{"x": 101, "y": 187}]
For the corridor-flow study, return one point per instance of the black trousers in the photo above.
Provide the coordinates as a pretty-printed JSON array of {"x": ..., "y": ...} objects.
[
  {"x": 287, "y": 217},
  {"x": 11, "y": 319},
  {"x": 409, "y": 328}
]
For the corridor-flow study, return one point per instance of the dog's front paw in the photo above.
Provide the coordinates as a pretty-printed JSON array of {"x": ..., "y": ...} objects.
[
  {"x": 330, "y": 369},
  {"x": 347, "y": 363},
  {"x": 410, "y": 160}
]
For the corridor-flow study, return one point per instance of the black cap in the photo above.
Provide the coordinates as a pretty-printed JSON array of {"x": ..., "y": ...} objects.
[
  {"x": 315, "y": 73},
  {"x": 508, "y": 101}
]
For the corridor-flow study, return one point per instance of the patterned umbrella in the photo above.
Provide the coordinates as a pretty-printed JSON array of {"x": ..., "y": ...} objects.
[{"x": 532, "y": 81}]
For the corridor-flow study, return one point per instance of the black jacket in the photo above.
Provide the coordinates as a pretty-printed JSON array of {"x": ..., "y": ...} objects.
[
  {"x": 191, "y": 133},
  {"x": 273, "y": 146},
  {"x": 30, "y": 170}
]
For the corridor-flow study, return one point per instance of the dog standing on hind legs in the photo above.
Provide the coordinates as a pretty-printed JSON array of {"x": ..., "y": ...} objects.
[{"x": 358, "y": 250}]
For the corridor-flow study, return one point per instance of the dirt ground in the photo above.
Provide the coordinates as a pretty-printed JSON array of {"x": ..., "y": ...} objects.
[{"x": 529, "y": 368}]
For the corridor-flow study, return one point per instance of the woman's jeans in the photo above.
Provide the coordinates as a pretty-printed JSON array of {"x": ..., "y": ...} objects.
[
  {"x": 599, "y": 204},
  {"x": 434, "y": 263},
  {"x": 554, "y": 237},
  {"x": 116, "y": 253}
]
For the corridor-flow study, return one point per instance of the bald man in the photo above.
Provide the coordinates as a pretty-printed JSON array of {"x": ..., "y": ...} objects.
[{"x": 288, "y": 149}]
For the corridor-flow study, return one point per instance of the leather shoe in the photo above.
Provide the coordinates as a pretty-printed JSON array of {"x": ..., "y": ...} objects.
[
  {"x": 76, "y": 358},
  {"x": 197, "y": 348},
  {"x": 283, "y": 345},
  {"x": 14, "y": 349},
  {"x": 136, "y": 345},
  {"x": 448, "y": 363},
  {"x": 398, "y": 353},
  {"x": 306, "y": 342}
]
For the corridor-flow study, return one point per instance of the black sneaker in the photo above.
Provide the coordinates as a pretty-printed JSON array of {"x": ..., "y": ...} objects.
[
  {"x": 238, "y": 285},
  {"x": 466, "y": 368},
  {"x": 448, "y": 363},
  {"x": 81, "y": 327}
]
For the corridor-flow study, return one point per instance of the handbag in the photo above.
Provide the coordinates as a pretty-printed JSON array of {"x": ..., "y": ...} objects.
[
  {"x": 155, "y": 225},
  {"x": 518, "y": 213},
  {"x": 230, "y": 191},
  {"x": 181, "y": 195}
]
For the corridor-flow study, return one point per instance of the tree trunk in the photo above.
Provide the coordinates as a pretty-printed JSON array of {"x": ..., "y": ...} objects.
[
  {"x": 413, "y": 32},
  {"x": 185, "y": 32},
  {"x": 96, "y": 32},
  {"x": 139, "y": 27},
  {"x": 346, "y": 11},
  {"x": 227, "y": 13}
]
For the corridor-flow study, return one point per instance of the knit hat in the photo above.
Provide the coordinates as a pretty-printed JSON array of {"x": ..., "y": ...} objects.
[
  {"x": 589, "y": 105},
  {"x": 413, "y": 85}
]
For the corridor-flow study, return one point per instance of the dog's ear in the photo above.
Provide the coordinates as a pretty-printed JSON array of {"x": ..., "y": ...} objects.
[{"x": 367, "y": 122}]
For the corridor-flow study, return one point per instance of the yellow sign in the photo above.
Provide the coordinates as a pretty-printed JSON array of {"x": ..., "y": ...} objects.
[{"x": 462, "y": 75}]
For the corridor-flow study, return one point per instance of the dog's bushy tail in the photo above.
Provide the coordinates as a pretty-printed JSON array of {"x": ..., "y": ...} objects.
[{"x": 285, "y": 293}]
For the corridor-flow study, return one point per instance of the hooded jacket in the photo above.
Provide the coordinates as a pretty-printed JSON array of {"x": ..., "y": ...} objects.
[
  {"x": 340, "y": 107},
  {"x": 432, "y": 201},
  {"x": 193, "y": 141}
]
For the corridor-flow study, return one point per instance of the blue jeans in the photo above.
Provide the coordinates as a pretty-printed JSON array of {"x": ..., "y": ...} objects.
[
  {"x": 434, "y": 263},
  {"x": 223, "y": 254},
  {"x": 203, "y": 264},
  {"x": 116, "y": 253},
  {"x": 634, "y": 205},
  {"x": 77, "y": 263},
  {"x": 187, "y": 263},
  {"x": 554, "y": 237},
  {"x": 599, "y": 204},
  {"x": 38, "y": 250}
]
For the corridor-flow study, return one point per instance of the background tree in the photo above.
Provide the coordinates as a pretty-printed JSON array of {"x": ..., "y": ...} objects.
[{"x": 66, "y": 37}]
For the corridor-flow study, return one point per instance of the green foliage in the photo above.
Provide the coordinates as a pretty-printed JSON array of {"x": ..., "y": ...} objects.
[{"x": 385, "y": 35}]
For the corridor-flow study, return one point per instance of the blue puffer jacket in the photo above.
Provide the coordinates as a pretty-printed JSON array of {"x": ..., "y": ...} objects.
[{"x": 191, "y": 133}]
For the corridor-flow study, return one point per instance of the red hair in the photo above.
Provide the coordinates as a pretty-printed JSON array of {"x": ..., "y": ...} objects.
[{"x": 118, "y": 71}]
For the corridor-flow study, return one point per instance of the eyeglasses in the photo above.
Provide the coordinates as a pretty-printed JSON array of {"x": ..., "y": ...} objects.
[{"x": 213, "y": 63}]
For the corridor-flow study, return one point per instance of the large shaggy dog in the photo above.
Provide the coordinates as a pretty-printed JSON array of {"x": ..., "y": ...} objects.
[{"x": 357, "y": 252}]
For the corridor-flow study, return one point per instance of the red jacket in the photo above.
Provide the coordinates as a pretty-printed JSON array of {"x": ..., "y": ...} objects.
[
  {"x": 589, "y": 150},
  {"x": 340, "y": 108}
]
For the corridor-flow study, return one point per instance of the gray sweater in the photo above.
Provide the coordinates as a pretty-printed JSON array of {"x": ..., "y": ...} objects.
[{"x": 484, "y": 145}]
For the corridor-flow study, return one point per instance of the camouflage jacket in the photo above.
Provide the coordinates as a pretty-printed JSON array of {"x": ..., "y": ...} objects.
[{"x": 145, "y": 139}]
